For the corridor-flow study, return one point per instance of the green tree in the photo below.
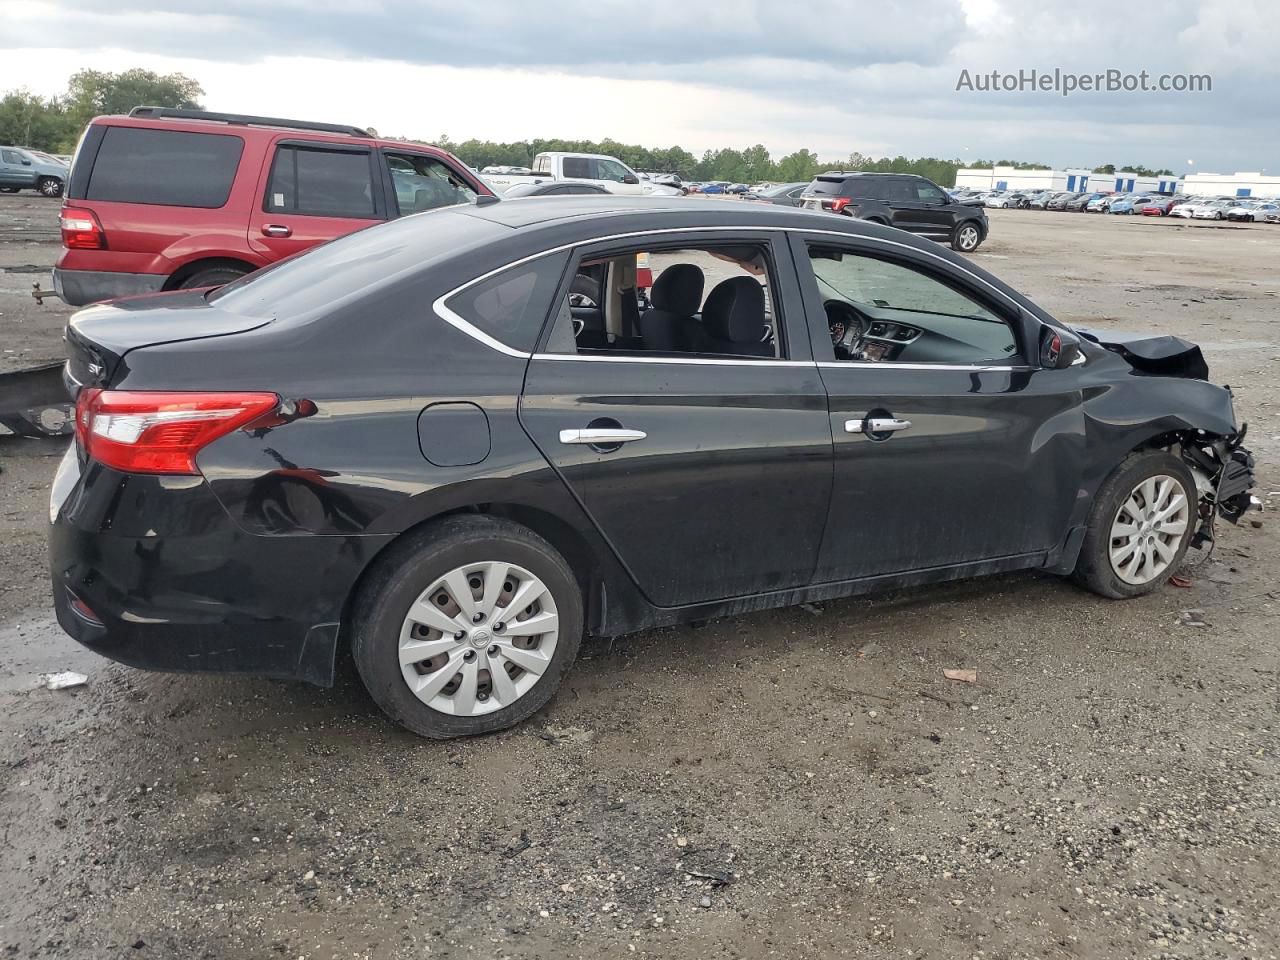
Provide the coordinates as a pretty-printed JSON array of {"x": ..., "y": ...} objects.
[
  {"x": 795, "y": 167},
  {"x": 94, "y": 92},
  {"x": 30, "y": 121}
]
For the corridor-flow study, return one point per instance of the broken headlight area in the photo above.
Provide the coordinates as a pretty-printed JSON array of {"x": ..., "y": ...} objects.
[{"x": 1223, "y": 470}]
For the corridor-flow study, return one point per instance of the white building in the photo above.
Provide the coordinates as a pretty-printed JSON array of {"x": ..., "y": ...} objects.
[
  {"x": 1231, "y": 185},
  {"x": 1070, "y": 180}
]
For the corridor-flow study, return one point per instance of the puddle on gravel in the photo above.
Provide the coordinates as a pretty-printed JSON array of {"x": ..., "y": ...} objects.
[{"x": 33, "y": 644}]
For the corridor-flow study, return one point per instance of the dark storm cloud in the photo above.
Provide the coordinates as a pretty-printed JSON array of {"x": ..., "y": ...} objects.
[
  {"x": 883, "y": 73},
  {"x": 519, "y": 33}
]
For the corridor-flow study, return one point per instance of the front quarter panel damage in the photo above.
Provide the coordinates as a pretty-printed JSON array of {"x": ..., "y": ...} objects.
[{"x": 1127, "y": 409}]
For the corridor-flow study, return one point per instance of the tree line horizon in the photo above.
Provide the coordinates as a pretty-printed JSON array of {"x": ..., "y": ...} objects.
[{"x": 54, "y": 125}]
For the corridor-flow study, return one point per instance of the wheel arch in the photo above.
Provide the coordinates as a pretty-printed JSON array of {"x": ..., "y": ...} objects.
[
  {"x": 592, "y": 567},
  {"x": 191, "y": 268}
]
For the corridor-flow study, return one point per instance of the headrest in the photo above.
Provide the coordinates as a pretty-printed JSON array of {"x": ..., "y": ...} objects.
[
  {"x": 735, "y": 310},
  {"x": 678, "y": 289}
]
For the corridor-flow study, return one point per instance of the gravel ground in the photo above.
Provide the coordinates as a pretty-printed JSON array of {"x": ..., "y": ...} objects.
[{"x": 787, "y": 784}]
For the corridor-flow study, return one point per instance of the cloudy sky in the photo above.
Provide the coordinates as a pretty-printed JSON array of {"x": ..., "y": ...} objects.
[{"x": 860, "y": 75}]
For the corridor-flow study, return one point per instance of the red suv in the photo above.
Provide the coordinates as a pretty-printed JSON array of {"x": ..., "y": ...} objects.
[{"x": 169, "y": 199}]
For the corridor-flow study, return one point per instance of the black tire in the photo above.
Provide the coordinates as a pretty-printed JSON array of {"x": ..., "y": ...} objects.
[
  {"x": 966, "y": 237},
  {"x": 211, "y": 277},
  {"x": 49, "y": 186},
  {"x": 1093, "y": 567},
  {"x": 408, "y": 569},
  {"x": 8, "y": 189}
]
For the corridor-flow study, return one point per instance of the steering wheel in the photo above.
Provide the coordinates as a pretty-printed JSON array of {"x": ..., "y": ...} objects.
[{"x": 847, "y": 325}]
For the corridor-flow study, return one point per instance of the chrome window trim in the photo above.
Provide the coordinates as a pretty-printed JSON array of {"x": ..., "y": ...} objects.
[
  {"x": 681, "y": 361},
  {"x": 442, "y": 310},
  {"x": 894, "y": 365}
]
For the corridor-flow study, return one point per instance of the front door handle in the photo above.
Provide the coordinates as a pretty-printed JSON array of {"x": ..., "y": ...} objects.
[
  {"x": 276, "y": 230},
  {"x": 601, "y": 436},
  {"x": 876, "y": 425}
]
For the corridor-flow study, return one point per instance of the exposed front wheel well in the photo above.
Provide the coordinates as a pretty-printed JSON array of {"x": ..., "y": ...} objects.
[{"x": 189, "y": 270}]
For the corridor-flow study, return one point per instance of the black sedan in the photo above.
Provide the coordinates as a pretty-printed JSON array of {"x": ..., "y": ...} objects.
[{"x": 411, "y": 442}]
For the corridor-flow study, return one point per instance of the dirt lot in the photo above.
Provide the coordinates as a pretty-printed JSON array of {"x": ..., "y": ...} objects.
[{"x": 788, "y": 784}]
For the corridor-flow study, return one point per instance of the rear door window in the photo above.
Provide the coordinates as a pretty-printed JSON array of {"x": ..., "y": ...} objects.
[
  {"x": 581, "y": 167},
  {"x": 166, "y": 167},
  {"x": 314, "y": 182}
]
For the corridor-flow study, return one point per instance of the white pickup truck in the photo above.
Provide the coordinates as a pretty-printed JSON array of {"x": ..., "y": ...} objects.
[{"x": 607, "y": 172}]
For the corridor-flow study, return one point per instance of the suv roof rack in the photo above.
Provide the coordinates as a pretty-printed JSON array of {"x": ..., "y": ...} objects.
[
  {"x": 174, "y": 113},
  {"x": 866, "y": 173}
]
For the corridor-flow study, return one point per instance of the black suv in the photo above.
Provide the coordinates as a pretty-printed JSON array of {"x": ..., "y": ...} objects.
[{"x": 901, "y": 200}]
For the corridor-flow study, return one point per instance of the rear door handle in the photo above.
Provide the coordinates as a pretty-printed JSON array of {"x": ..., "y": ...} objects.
[
  {"x": 876, "y": 425},
  {"x": 601, "y": 436},
  {"x": 276, "y": 230}
]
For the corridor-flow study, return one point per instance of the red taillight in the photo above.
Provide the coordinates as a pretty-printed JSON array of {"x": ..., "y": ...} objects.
[
  {"x": 140, "y": 431},
  {"x": 81, "y": 230},
  {"x": 839, "y": 203}
]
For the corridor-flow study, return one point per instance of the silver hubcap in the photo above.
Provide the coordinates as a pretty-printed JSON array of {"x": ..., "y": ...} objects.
[
  {"x": 478, "y": 639},
  {"x": 1148, "y": 528},
  {"x": 968, "y": 238}
]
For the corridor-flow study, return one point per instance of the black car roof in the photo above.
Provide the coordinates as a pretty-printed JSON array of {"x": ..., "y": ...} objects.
[{"x": 530, "y": 211}]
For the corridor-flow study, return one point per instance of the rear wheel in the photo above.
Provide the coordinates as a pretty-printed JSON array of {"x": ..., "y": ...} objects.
[
  {"x": 467, "y": 628},
  {"x": 1142, "y": 521},
  {"x": 211, "y": 277},
  {"x": 49, "y": 186},
  {"x": 8, "y": 189},
  {"x": 966, "y": 237}
]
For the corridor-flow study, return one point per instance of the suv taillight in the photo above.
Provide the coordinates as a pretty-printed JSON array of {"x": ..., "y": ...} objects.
[
  {"x": 81, "y": 230},
  {"x": 140, "y": 431},
  {"x": 839, "y": 203}
]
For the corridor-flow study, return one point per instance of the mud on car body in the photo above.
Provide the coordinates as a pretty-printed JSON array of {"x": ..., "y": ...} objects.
[{"x": 426, "y": 443}]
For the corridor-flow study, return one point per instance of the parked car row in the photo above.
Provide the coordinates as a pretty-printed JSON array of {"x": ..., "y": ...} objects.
[{"x": 1146, "y": 204}]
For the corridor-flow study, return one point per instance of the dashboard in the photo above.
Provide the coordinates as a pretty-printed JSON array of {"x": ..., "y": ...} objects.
[{"x": 875, "y": 334}]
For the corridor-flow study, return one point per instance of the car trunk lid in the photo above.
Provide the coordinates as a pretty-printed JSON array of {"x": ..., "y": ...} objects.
[{"x": 100, "y": 336}]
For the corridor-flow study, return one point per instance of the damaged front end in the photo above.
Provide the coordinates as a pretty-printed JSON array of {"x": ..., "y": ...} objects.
[
  {"x": 1222, "y": 467},
  {"x": 1158, "y": 355},
  {"x": 1223, "y": 470}
]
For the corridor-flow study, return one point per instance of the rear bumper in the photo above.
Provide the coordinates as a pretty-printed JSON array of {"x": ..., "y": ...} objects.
[
  {"x": 79, "y": 287},
  {"x": 173, "y": 584}
]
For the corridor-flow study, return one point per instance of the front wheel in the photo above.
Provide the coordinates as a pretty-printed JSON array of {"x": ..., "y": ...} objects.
[
  {"x": 966, "y": 237},
  {"x": 1142, "y": 520},
  {"x": 467, "y": 627},
  {"x": 49, "y": 186}
]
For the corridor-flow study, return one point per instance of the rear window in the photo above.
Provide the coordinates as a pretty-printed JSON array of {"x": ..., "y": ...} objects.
[
  {"x": 165, "y": 167},
  {"x": 825, "y": 187},
  {"x": 579, "y": 167}
]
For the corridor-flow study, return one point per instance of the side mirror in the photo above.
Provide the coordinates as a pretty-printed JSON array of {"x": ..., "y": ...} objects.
[
  {"x": 1050, "y": 348},
  {"x": 631, "y": 178},
  {"x": 1058, "y": 348},
  {"x": 26, "y": 163}
]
